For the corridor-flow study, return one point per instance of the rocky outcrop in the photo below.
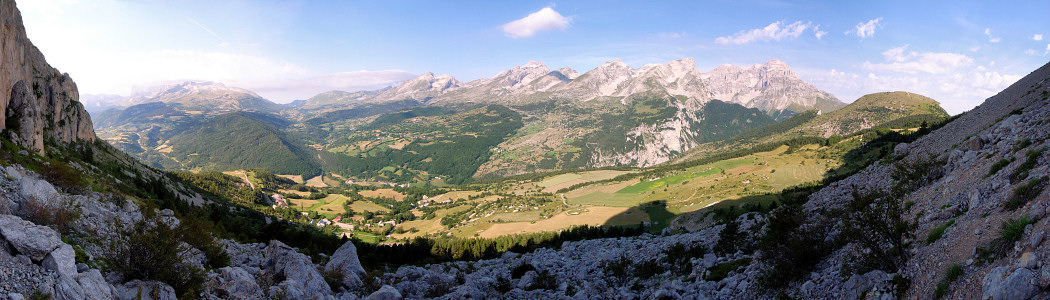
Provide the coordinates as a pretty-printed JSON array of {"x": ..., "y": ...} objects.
[
  {"x": 33, "y": 240},
  {"x": 345, "y": 263},
  {"x": 33, "y": 95},
  {"x": 770, "y": 87},
  {"x": 301, "y": 275}
]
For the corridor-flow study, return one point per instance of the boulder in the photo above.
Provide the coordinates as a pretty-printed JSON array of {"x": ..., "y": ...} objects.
[
  {"x": 144, "y": 290},
  {"x": 238, "y": 284},
  {"x": 1020, "y": 284},
  {"x": 296, "y": 268},
  {"x": 94, "y": 285},
  {"x": 385, "y": 293},
  {"x": 345, "y": 262},
  {"x": 30, "y": 239},
  {"x": 68, "y": 288},
  {"x": 1028, "y": 260},
  {"x": 62, "y": 261},
  {"x": 36, "y": 189}
]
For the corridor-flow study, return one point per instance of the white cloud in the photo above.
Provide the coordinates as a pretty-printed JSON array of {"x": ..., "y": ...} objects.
[
  {"x": 956, "y": 92},
  {"x": 542, "y": 20},
  {"x": 672, "y": 35},
  {"x": 867, "y": 29},
  {"x": 1031, "y": 51},
  {"x": 991, "y": 39},
  {"x": 774, "y": 31},
  {"x": 1037, "y": 37},
  {"x": 901, "y": 61},
  {"x": 819, "y": 33}
]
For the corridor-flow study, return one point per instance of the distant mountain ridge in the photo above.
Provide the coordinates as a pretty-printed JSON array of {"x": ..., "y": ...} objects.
[
  {"x": 771, "y": 87},
  {"x": 612, "y": 115}
]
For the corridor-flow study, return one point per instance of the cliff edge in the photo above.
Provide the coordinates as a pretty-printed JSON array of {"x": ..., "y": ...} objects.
[{"x": 33, "y": 95}]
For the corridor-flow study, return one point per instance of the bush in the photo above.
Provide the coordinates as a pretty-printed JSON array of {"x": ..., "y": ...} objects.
[
  {"x": 151, "y": 252},
  {"x": 543, "y": 281},
  {"x": 519, "y": 271},
  {"x": 728, "y": 238},
  {"x": 999, "y": 165},
  {"x": 874, "y": 220},
  {"x": 1025, "y": 192},
  {"x": 1031, "y": 158},
  {"x": 57, "y": 213},
  {"x": 721, "y": 271},
  {"x": 618, "y": 270},
  {"x": 647, "y": 269},
  {"x": 953, "y": 273},
  {"x": 1009, "y": 233},
  {"x": 938, "y": 231},
  {"x": 1012, "y": 230},
  {"x": 679, "y": 257}
]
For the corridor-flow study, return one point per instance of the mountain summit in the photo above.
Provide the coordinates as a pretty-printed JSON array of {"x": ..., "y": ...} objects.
[{"x": 770, "y": 87}]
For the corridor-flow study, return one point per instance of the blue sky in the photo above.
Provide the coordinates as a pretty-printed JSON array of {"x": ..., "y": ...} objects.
[{"x": 957, "y": 52}]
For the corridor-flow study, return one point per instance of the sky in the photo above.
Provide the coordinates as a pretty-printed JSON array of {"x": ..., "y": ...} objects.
[{"x": 956, "y": 52}]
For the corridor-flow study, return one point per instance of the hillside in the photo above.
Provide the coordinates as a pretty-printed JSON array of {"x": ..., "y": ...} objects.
[
  {"x": 894, "y": 110},
  {"x": 236, "y": 141}
]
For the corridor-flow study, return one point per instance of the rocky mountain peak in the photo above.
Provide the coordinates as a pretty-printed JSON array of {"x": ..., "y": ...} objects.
[
  {"x": 568, "y": 73},
  {"x": 771, "y": 87},
  {"x": 34, "y": 95}
]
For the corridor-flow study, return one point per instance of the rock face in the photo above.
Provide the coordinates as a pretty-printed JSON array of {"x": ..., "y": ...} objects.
[
  {"x": 301, "y": 275},
  {"x": 344, "y": 261},
  {"x": 33, "y": 95},
  {"x": 771, "y": 86},
  {"x": 30, "y": 239}
]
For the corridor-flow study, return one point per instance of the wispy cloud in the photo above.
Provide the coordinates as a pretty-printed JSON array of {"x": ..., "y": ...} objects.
[
  {"x": 542, "y": 20},
  {"x": 991, "y": 39},
  {"x": 818, "y": 33},
  {"x": 866, "y": 29},
  {"x": 672, "y": 35},
  {"x": 1037, "y": 37},
  {"x": 902, "y": 61},
  {"x": 285, "y": 90},
  {"x": 775, "y": 31},
  {"x": 216, "y": 35}
]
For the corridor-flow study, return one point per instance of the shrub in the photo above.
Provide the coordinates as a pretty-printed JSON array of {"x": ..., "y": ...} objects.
[
  {"x": 1025, "y": 192},
  {"x": 728, "y": 238},
  {"x": 647, "y": 269},
  {"x": 618, "y": 270},
  {"x": 543, "y": 281},
  {"x": 999, "y": 165},
  {"x": 1012, "y": 230},
  {"x": 874, "y": 220},
  {"x": 1032, "y": 157},
  {"x": 151, "y": 252},
  {"x": 953, "y": 273},
  {"x": 519, "y": 271},
  {"x": 721, "y": 271},
  {"x": 58, "y": 213},
  {"x": 941, "y": 290},
  {"x": 938, "y": 231},
  {"x": 680, "y": 257},
  {"x": 1009, "y": 233}
]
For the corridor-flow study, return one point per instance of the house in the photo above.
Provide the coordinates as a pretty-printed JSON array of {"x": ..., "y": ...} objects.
[
  {"x": 323, "y": 223},
  {"x": 279, "y": 200}
]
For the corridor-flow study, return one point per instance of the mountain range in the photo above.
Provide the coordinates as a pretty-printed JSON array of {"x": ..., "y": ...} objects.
[{"x": 613, "y": 115}]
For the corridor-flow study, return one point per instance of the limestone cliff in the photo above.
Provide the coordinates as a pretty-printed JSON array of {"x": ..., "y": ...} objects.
[{"x": 33, "y": 95}]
